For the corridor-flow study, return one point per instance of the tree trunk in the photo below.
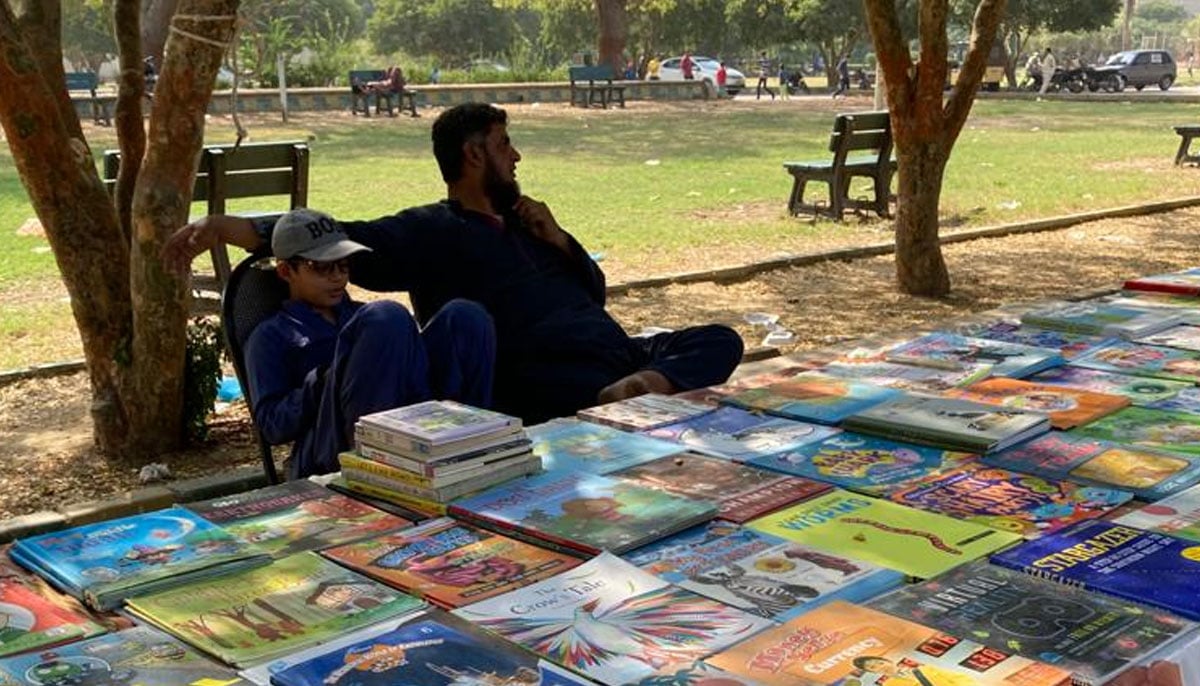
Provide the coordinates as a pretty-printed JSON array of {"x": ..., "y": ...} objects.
[
  {"x": 613, "y": 24},
  {"x": 1126, "y": 25},
  {"x": 131, "y": 88},
  {"x": 155, "y": 25},
  {"x": 920, "y": 268}
]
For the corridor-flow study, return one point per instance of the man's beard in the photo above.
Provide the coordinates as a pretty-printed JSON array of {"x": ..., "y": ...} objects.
[{"x": 503, "y": 194}]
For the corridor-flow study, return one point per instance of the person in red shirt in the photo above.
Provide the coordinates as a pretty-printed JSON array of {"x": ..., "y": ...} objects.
[
  {"x": 722, "y": 75},
  {"x": 686, "y": 66}
]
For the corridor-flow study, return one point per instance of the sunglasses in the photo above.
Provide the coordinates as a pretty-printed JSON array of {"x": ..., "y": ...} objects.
[{"x": 324, "y": 268}]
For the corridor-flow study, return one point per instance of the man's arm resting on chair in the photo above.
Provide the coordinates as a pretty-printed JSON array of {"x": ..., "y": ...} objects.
[{"x": 203, "y": 235}]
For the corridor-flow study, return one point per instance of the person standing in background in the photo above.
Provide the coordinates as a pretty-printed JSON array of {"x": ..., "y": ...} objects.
[
  {"x": 686, "y": 65},
  {"x": 764, "y": 70}
]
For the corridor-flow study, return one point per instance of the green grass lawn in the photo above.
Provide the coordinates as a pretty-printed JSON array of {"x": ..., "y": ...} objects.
[{"x": 654, "y": 186}]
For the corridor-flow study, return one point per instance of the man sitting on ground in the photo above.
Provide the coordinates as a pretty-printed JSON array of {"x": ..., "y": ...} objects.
[{"x": 558, "y": 350}]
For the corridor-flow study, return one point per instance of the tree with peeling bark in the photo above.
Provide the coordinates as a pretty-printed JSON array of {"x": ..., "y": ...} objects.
[
  {"x": 926, "y": 122},
  {"x": 131, "y": 312}
]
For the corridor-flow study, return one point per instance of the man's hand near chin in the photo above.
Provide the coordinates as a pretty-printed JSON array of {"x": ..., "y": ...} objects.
[{"x": 539, "y": 220}]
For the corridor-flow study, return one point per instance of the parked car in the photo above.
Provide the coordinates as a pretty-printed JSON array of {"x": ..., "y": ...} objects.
[
  {"x": 1138, "y": 68},
  {"x": 705, "y": 69}
]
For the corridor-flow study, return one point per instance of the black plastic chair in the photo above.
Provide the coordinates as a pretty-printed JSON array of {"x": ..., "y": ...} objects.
[{"x": 253, "y": 293}]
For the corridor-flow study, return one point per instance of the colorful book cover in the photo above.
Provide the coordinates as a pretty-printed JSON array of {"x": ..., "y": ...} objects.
[
  {"x": 952, "y": 351},
  {"x": 29, "y": 621},
  {"x": 105, "y": 562},
  {"x": 1148, "y": 474},
  {"x": 1127, "y": 357},
  {"x": 1067, "y": 344},
  {"x": 1098, "y": 318},
  {"x": 1178, "y": 515},
  {"x": 742, "y": 492},
  {"x": 613, "y": 622},
  {"x": 1094, "y": 636},
  {"x": 644, "y": 412},
  {"x": 1027, "y": 505},
  {"x": 1186, "y": 400},
  {"x": 450, "y": 563},
  {"x": 917, "y": 543},
  {"x": 759, "y": 573},
  {"x": 260, "y": 674},
  {"x": 435, "y": 422},
  {"x": 1173, "y": 432},
  {"x": 139, "y": 656},
  {"x": 812, "y": 397},
  {"x": 849, "y": 645},
  {"x": 428, "y": 652},
  {"x": 11, "y": 572},
  {"x": 863, "y": 463},
  {"x": 949, "y": 423},
  {"x": 295, "y": 516},
  {"x": 572, "y": 445},
  {"x": 739, "y": 435},
  {"x": 906, "y": 377},
  {"x": 1142, "y": 566},
  {"x": 1184, "y": 336},
  {"x": 1067, "y": 407},
  {"x": 714, "y": 395},
  {"x": 695, "y": 673},
  {"x": 1186, "y": 282},
  {"x": 584, "y": 511},
  {"x": 260, "y": 614},
  {"x": 1140, "y": 390}
]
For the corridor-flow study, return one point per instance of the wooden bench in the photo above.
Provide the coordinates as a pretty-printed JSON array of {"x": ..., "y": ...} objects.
[
  {"x": 861, "y": 144},
  {"x": 1186, "y": 134},
  {"x": 598, "y": 89},
  {"x": 101, "y": 105},
  {"x": 249, "y": 171},
  {"x": 360, "y": 95}
]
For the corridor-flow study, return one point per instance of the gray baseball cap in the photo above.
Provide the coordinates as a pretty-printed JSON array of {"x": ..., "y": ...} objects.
[{"x": 312, "y": 235}]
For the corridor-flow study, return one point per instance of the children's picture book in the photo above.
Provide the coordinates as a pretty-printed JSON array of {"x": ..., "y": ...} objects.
[
  {"x": 295, "y": 516},
  {"x": 1142, "y": 566},
  {"x": 917, "y": 543},
  {"x": 850, "y": 645},
  {"x": 742, "y": 492},
  {"x": 1027, "y": 505},
  {"x": 436, "y": 422},
  {"x": 1183, "y": 336},
  {"x": 260, "y": 674},
  {"x": 1092, "y": 635},
  {"x": 906, "y": 377},
  {"x": 584, "y": 512},
  {"x": 433, "y": 651},
  {"x": 261, "y": 614},
  {"x": 105, "y": 562},
  {"x": 139, "y": 656},
  {"x": 759, "y": 573},
  {"x": 1140, "y": 390},
  {"x": 644, "y": 412},
  {"x": 952, "y": 351},
  {"x": 1173, "y": 432},
  {"x": 450, "y": 563},
  {"x": 28, "y": 621},
  {"x": 1137, "y": 359},
  {"x": 1186, "y": 282},
  {"x": 569, "y": 444},
  {"x": 862, "y": 463},
  {"x": 1178, "y": 515},
  {"x": 714, "y": 395},
  {"x": 738, "y": 435},
  {"x": 613, "y": 622},
  {"x": 949, "y": 423},
  {"x": 1097, "y": 318},
  {"x": 1148, "y": 474},
  {"x": 1187, "y": 400},
  {"x": 1012, "y": 331},
  {"x": 812, "y": 397},
  {"x": 1067, "y": 407}
]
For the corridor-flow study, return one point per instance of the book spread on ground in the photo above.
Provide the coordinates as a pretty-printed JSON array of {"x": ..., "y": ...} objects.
[
  {"x": 644, "y": 412},
  {"x": 759, "y": 573},
  {"x": 1186, "y": 282},
  {"x": 1148, "y": 474},
  {"x": 713, "y": 395},
  {"x": 863, "y": 463},
  {"x": 952, "y": 351},
  {"x": 736, "y": 434},
  {"x": 260, "y": 674},
  {"x": 1140, "y": 390},
  {"x": 850, "y": 645},
  {"x": 1184, "y": 336},
  {"x": 29, "y": 621},
  {"x": 612, "y": 621},
  {"x": 1137, "y": 359},
  {"x": 1010, "y": 501},
  {"x": 812, "y": 397},
  {"x": 139, "y": 656},
  {"x": 1178, "y": 515},
  {"x": 1142, "y": 566},
  {"x": 451, "y": 563},
  {"x": 570, "y": 444},
  {"x": 1173, "y": 432},
  {"x": 295, "y": 516},
  {"x": 742, "y": 492},
  {"x": 1067, "y": 344},
  {"x": 949, "y": 423},
  {"x": 1067, "y": 407},
  {"x": 1101, "y": 319},
  {"x": 906, "y": 377},
  {"x": 584, "y": 512},
  {"x": 1187, "y": 400},
  {"x": 105, "y": 562},
  {"x": 1093, "y": 635},
  {"x": 261, "y": 614},
  {"x": 917, "y": 543}
]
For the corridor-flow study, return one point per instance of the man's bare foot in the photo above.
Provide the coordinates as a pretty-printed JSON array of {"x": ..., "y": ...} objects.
[{"x": 638, "y": 383}]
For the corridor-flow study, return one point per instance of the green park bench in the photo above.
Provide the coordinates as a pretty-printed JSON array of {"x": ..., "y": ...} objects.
[
  {"x": 360, "y": 95},
  {"x": 861, "y": 144},
  {"x": 592, "y": 85},
  {"x": 86, "y": 81}
]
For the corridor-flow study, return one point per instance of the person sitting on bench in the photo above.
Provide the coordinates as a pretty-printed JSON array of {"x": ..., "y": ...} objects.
[{"x": 393, "y": 82}]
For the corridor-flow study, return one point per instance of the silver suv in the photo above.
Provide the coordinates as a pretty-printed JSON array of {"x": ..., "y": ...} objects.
[{"x": 1139, "y": 68}]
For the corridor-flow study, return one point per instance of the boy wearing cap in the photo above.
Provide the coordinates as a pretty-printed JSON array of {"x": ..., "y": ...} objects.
[{"x": 325, "y": 360}]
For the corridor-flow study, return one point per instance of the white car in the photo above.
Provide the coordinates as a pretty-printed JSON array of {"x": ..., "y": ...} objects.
[{"x": 703, "y": 69}]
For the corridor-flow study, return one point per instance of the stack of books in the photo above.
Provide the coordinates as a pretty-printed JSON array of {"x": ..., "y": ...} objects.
[{"x": 423, "y": 456}]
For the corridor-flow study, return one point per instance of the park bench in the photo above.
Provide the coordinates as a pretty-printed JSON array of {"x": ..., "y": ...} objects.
[
  {"x": 226, "y": 172},
  {"x": 360, "y": 95},
  {"x": 599, "y": 86},
  {"x": 1186, "y": 134},
  {"x": 861, "y": 144},
  {"x": 86, "y": 81}
]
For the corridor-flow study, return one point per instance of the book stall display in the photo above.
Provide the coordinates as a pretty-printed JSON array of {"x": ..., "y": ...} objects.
[{"x": 1011, "y": 501}]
